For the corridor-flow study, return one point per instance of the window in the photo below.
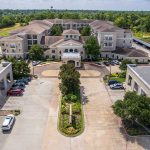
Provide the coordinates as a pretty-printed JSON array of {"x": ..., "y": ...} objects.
[
  {"x": 34, "y": 41},
  {"x": 29, "y": 42},
  {"x": 13, "y": 51},
  {"x": 75, "y": 50},
  {"x": 70, "y": 36},
  {"x": 66, "y": 50},
  {"x": 53, "y": 57},
  {"x": 71, "y": 50},
  {"x": 59, "y": 52},
  {"x": 81, "y": 53},
  {"x": 143, "y": 93},
  {"x": 129, "y": 80},
  {"x": 29, "y": 36},
  {"x": 12, "y": 45},
  {"x": 136, "y": 87},
  {"x": 53, "y": 51},
  {"x": 77, "y": 63},
  {"x": 75, "y": 36},
  {"x": 66, "y": 36},
  {"x": 34, "y": 36}
]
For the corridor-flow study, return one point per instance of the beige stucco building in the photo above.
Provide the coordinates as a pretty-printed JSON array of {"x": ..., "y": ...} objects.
[
  {"x": 115, "y": 42},
  {"x": 138, "y": 79},
  {"x": 6, "y": 78}
]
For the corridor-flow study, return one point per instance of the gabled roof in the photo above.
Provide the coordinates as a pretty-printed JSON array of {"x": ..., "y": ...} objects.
[
  {"x": 71, "y": 32},
  {"x": 69, "y": 43},
  {"x": 12, "y": 38},
  {"x": 130, "y": 52}
]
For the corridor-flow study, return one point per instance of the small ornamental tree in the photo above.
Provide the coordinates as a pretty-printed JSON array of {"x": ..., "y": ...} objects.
[
  {"x": 36, "y": 52},
  {"x": 92, "y": 47},
  {"x": 70, "y": 79}
]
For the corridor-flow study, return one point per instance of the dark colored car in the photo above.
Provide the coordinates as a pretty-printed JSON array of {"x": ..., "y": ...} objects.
[
  {"x": 110, "y": 82},
  {"x": 17, "y": 92},
  {"x": 27, "y": 78},
  {"x": 21, "y": 84},
  {"x": 25, "y": 81},
  {"x": 112, "y": 63},
  {"x": 106, "y": 63}
]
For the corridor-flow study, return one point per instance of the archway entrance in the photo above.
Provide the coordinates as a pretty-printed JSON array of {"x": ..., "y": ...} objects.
[{"x": 71, "y": 62}]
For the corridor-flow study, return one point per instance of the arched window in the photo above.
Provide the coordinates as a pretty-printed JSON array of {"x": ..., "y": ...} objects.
[{"x": 71, "y": 50}]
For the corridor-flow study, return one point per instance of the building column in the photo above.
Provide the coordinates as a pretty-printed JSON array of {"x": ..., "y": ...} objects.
[{"x": 5, "y": 83}]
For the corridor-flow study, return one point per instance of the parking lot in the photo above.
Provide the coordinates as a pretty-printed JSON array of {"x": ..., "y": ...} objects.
[
  {"x": 36, "y": 127},
  {"x": 28, "y": 130}
]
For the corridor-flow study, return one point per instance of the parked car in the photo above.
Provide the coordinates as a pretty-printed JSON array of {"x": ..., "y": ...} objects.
[
  {"x": 8, "y": 122},
  {"x": 106, "y": 63},
  {"x": 13, "y": 92},
  {"x": 116, "y": 62},
  {"x": 25, "y": 81},
  {"x": 21, "y": 84},
  {"x": 98, "y": 63},
  {"x": 112, "y": 63},
  {"x": 17, "y": 87},
  {"x": 110, "y": 82},
  {"x": 34, "y": 63},
  {"x": 27, "y": 78},
  {"x": 117, "y": 86}
]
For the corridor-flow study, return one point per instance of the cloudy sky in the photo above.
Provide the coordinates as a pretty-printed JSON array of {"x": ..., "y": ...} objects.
[{"x": 77, "y": 4}]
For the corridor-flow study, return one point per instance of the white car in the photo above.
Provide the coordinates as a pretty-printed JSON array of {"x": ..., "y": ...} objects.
[{"x": 8, "y": 122}]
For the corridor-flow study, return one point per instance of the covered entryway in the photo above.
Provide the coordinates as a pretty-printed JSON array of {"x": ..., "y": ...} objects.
[
  {"x": 71, "y": 62},
  {"x": 73, "y": 58}
]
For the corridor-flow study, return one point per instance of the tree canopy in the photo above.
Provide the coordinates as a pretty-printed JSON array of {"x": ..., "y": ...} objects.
[
  {"x": 135, "y": 20},
  {"x": 36, "y": 52},
  {"x": 85, "y": 31},
  {"x": 19, "y": 67},
  {"x": 92, "y": 47},
  {"x": 124, "y": 63},
  {"x": 56, "y": 30},
  {"x": 70, "y": 79},
  {"x": 133, "y": 107}
]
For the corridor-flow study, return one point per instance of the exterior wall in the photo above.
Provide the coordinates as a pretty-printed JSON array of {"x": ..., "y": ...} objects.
[
  {"x": 124, "y": 40},
  {"x": 73, "y": 37},
  {"x": 5, "y": 84},
  {"x": 13, "y": 48},
  {"x": 102, "y": 39},
  {"x": 60, "y": 50},
  {"x": 135, "y": 79}
]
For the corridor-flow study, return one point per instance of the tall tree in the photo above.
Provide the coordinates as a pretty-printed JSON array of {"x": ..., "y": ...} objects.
[
  {"x": 56, "y": 30},
  {"x": 92, "y": 47},
  {"x": 19, "y": 67}
]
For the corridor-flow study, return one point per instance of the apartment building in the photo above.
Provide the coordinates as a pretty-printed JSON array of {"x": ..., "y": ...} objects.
[
  {"x": 115, "y": 42},
  {"x": 138, "y": 79},
  {"x": 6, "y": 78}
]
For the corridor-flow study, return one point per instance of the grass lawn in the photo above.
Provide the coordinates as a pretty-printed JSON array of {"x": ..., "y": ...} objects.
[
  {"x": 143, "y": 36},
  {"x": 121, "y": 80},
  {"x": 77, "y": 126},
  {"x": 5, "y": 31}
]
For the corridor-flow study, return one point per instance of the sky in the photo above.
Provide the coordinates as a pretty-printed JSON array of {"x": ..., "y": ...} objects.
[{"x": 77, "y": 4}]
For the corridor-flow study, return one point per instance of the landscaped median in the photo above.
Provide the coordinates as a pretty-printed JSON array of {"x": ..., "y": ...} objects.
[{"x": 71, "y": 119}]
